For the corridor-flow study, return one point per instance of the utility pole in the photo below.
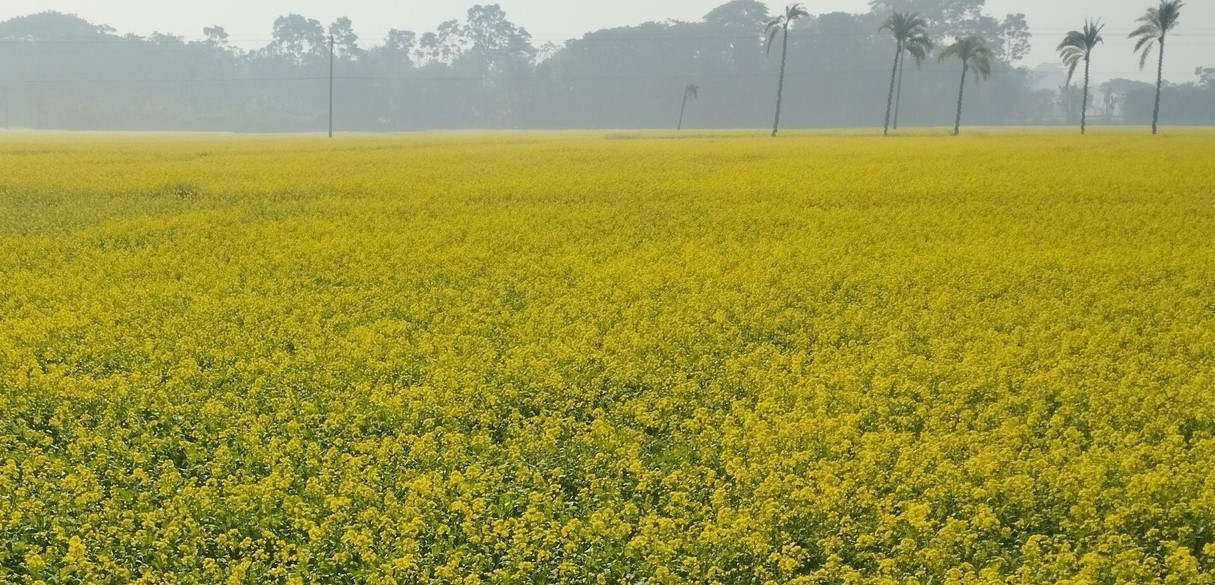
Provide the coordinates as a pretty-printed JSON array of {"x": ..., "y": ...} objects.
[{"x": 331, "y": 86}]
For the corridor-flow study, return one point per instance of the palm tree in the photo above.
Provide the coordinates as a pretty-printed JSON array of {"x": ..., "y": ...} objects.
[
  {"x": 905, "y": 26},
  {"x": 691, "y": 91},
  {"x": 777, "y": 25},
  {"x": 1157, "y": 23},
  {"x": 1078, "y": 47},
  {"x": 918, "y": 46},
  {"x": 975, "y": 54}
]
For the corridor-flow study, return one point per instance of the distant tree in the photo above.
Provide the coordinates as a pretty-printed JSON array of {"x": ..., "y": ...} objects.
[
  {"x": 52, "y": 26},
  {"x": 738, "y": 14},
  {"x": 164, "y": 39},
  {"x": 1067, "y": 101},
  {"x": 919, "y": 47},
  {"x": 975, "y": 55},
  {"x": 1156, "y": 24},
  {"x": 399, "y": 45},
  {"x": 443, "y": 45},
  {"x": 953, "y": 16},
  {"x": 1133, "y": 99},
  {"x": 1110, "y": 101},
  {"x": 780, "y": 25},
  {"x": 299, "y": 39},
  {"x": 1206, "y": 77},
  {"x": 1016, "y": 37},
  {"x": 216, "y": 36},
  {"x": 498, "y": 45},
  {"x": 910, "y": 34},
  {"x": 345, "y": 41},
  {"x": 692, "y": 91},
  {"x": 1077, "y": 47}
]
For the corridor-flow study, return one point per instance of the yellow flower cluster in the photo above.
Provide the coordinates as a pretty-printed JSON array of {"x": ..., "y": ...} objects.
[{"x": 624, "y": 358}]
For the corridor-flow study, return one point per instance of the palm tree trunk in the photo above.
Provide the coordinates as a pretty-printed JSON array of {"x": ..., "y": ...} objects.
[
  {"x": 681, "y": 111},
  {"x": 1159, "y": 84},
  {"x": 780, "y": 88},
  {"x": 1084, "y": 99},
  {"x": 894, "y": 72},
  {"x": 957, "y": 125},
  {"x": 898, "y": 93}
]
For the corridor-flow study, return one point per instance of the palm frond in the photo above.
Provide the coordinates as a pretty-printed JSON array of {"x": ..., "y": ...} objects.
[
  {"x": 1078, "y": 45},
  {"x": 1147, "y": 30},
  {"x": 774, "y": 27},
  {"x": 1147, "y": 53},
  {"x": 1148, "y": 42},
  {"x": 1092, "y": 33},
  {"x": 1160, "y": 20},
  {"x": 896, "y": 23},
  {"x": 984, "y": 69},
  {"x": 980, "y": 61},
  {"x": 1152, "y": 17},
  {"x": 906, "y": 26},
  {"x": 1073, "y": 39},
  {"x": 1072, "y": 57},
  {"x": 1071, "y": 71},
  {"x": 1155, "y": 24},
  {"x": 919, "y": 47},
  {"x": 974, "y": 53},
  {"x": 922, "y": 39},
  {"x": 782, "y": 22},
  {"x": 1169, "y": 14}
]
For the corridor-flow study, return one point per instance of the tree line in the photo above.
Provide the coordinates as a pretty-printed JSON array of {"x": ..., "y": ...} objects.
[
  {"x": 1154, "y": 27},
  {"x": 910, "y": 32},
  {"x": 485, "y": 71}
]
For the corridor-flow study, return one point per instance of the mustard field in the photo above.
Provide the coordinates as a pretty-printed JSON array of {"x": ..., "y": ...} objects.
[{"x": 625, "y": 358}]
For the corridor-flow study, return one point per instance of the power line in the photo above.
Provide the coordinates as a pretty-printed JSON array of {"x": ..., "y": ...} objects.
[{"x": 458, "y": 78}]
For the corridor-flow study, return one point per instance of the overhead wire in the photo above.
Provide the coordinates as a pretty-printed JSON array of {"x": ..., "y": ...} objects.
[{"x": 459, "y": 78}]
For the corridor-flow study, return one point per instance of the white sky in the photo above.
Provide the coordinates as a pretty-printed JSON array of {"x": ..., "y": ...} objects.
[{"x": 249, "y": 21}]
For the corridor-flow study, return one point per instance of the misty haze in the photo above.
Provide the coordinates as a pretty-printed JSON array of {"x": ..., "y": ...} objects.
[{"x": 60, "y": 71}]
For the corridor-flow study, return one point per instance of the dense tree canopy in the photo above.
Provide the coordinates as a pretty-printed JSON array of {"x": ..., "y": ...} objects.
[{"x": 486, "y": 71}]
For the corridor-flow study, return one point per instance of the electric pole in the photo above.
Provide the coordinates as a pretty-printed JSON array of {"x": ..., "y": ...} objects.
[{"x": 331, "y": 86}]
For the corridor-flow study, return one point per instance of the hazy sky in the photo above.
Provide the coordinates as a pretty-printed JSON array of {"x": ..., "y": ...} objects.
[{"x": 249, "y": 21}]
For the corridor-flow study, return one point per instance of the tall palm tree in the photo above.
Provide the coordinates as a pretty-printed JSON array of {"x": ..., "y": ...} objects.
[
  {"x": 905, "y": 26},
  {"x": 918, "y": 46},
  {"x": 1156, "y": 24},
  {"x": 691, "y": 91},
  {"x": 1078, "y": 47},
  {"x": 779, "y": 25},
  {"x": 974, "y": 54}
]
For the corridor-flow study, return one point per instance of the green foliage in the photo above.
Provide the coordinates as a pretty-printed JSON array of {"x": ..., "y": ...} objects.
[
  {"x": 1155, "y": 25},
  {"x": 782, "y": 22},
  {"x": 973, "y": 51},
  {"x": 1077, "y": 46},
  {"x": 910, "y": 31}
]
